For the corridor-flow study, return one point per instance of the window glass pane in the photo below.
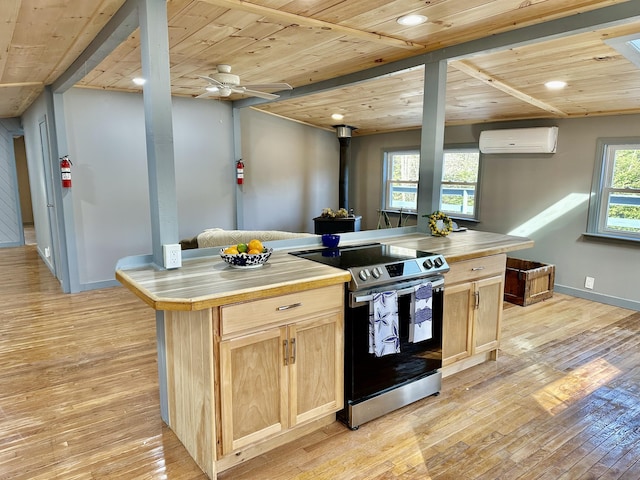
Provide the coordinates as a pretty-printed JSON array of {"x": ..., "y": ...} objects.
[
  {"x": 403, "y": 195},
  {"x": 623, "y": 212},
  {"x": 459, "y": 182},
  {"x": 404, "y": 167},
  {"x": 460, "y": 167},
  {"x": 626, "y": 169},
  {"x": 458, "y": 198}
]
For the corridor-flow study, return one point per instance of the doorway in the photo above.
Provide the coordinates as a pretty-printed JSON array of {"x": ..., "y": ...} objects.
[{"x": 24, "y": 190}]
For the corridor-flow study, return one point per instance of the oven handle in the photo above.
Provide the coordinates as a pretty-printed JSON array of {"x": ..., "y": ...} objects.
[{"x": 404, "y": 291}]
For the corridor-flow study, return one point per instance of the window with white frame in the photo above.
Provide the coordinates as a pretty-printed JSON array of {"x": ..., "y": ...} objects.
[
  {"x": 401, "y": 169},
  {"x": 614, "y": 207},
  {"x": 459, "y": 187}
]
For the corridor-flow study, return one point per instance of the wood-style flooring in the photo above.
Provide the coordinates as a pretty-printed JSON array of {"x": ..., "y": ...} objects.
[{"x": 79, "y": 398}]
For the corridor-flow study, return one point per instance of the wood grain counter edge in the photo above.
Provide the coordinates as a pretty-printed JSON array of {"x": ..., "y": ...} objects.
[{"x": 188, "y": 304}]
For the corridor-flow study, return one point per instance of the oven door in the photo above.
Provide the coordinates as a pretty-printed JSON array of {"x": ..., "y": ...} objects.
[{"x": 367, "y": 375}]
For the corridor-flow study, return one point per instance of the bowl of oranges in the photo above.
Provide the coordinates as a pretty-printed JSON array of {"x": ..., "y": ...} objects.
[{"x": 246, "y": 255}]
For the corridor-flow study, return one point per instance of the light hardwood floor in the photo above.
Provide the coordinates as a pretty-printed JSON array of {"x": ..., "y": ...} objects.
[{"x": 79, "y": 398}]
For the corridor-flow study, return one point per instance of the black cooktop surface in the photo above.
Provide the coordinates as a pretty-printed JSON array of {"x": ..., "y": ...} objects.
[{"x": 361, "y": 255}]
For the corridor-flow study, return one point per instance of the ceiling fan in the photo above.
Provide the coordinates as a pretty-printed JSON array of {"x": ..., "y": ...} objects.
[{"x": 223, "y": 83}]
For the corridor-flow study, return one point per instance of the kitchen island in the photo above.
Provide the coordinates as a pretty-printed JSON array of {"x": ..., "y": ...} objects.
[{"x": 243, "y": 347}]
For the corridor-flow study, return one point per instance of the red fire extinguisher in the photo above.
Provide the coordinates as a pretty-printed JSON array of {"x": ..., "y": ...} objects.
[
  {"x": 239, "y": 172},
  {"x": 65, "y": 171}
]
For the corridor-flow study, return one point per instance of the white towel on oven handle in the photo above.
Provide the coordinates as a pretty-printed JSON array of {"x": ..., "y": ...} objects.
[
  {"x": 384, "y": 337},
  {"x": 421, "y": 326}
]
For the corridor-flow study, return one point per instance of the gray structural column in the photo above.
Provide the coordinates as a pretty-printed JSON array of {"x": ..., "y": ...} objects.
[
  {"x": 431, "y": 141},
  {"x": 237, "y": 155},
  {"x": 154, "y": 43}
]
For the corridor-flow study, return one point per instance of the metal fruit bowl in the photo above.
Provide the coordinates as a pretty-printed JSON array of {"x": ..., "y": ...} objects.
[{"x": 244, "y": 260}]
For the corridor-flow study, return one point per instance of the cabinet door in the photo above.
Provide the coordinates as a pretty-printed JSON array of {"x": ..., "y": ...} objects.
[
  {"x": 253, "y": 386},
  {"x": 459, "y": 302},
  {"x": 316, "y": 367},
  {"x": 488, "y": 314}
]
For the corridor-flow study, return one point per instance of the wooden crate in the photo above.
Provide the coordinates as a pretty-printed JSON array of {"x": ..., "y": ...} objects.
[{"x": 528, "y": 282}]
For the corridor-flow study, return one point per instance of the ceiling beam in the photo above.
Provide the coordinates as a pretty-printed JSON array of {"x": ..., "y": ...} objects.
[
  {"x": 123, "y": 23},
  {"x": 312, "y": 22},
  {"x": 21, "y": 84},
  {"x": 475, "y": 72},
  {"x": 613, "y": 15}
]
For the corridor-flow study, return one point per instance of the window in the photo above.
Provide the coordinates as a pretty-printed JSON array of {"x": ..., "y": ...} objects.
[
  {"x": 614, "y": 208},
  {"x": 401, "y": 180},
  {"x": 459, "y": 187}
]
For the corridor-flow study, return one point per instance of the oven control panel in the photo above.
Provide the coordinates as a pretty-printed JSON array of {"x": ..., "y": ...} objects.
[{"x": 391, "y": 272}]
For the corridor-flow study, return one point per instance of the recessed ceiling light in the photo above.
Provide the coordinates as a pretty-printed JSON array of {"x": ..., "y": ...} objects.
[
  {"x": 555, "y": 84},
  {"x": 139, "y": 81},
  {"x": 337, "y": 116},
  {"x": 411, "y": 20}
]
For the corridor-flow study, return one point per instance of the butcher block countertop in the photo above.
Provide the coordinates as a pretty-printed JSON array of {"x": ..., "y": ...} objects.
[
  {"x": 207, "y": 281},
  {"x": 458, "y": 246}
]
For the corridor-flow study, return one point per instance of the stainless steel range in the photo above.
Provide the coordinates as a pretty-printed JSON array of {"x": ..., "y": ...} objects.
[{"x": 377, "y": 384}]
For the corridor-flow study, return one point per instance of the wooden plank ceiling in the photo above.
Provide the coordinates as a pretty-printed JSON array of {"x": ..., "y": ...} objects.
[{"x": 302, "y": 42}]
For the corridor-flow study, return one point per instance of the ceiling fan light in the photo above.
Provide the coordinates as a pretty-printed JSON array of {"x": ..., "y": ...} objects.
[
  {"x": 411, "y": 20},
  {"x": 555, "y": 84}
]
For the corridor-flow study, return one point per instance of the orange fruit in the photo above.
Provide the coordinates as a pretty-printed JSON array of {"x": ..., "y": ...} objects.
[
  {"x": 231, "y": 250},
  {"x": 255, "y": 244},
  {"x": 254, "y": 251}
]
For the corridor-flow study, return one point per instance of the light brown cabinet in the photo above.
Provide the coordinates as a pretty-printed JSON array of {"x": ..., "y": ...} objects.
[
  {"x": 474, "y": 291},
  {"x": 285, "y": 370}
]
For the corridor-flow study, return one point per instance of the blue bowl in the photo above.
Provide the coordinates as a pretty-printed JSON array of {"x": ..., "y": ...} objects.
[{"x": 330, "y": 240}]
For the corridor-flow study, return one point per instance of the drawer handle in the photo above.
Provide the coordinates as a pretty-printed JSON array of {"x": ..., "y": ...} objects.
[
  {"x": 287, "y": 307},
  {"x": 474, "y": 269}
]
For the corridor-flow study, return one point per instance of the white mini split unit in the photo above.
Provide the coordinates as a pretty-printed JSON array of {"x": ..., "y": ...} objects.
[{"x": 519, "y": 140}]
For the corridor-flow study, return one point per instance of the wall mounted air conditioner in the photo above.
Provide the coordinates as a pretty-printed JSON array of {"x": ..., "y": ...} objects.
[{"x": 519, "y": 140}]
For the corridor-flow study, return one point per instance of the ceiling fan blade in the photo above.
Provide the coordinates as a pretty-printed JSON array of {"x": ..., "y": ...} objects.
[
  {"x": 205, "y": 94},
  {"x": 212, "y": 81},
  {"x": 256, "y": 93},
  {"x": 269, "y": 86}
]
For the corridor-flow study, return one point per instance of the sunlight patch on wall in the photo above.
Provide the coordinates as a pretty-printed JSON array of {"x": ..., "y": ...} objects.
[
  {"x": 577, "y": 384},
  {"x": 551, "y": 214}
]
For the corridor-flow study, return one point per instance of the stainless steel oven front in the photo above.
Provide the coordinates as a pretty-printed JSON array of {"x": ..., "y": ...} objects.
[{"x": 378, "y": 385}]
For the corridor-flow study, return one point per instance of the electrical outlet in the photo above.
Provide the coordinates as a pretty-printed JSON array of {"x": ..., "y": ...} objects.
[
  {"x": 588, "y": 282},
  {"x": 47, "y": 252},
  {"x": 172, "y": 255}
]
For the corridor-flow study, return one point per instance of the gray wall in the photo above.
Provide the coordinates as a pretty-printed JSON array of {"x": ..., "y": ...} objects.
[
  {"x": 39, "y": 199},
  {"x": 106, "y": 143},
  {"x": 291, "y": 172},
  {"x": 516, "y": 189},
  {"x": 10, "y": 218}
]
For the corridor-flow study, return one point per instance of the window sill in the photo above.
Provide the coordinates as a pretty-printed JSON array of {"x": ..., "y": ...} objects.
[
  {"x": 464, "y": 219},
  {"x": 611, "y": 238}
]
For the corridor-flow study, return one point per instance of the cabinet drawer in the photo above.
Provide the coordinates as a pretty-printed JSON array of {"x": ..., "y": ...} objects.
[
  {"x": 469, "y": 270},
  {"x": 282, "y": 309}
]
